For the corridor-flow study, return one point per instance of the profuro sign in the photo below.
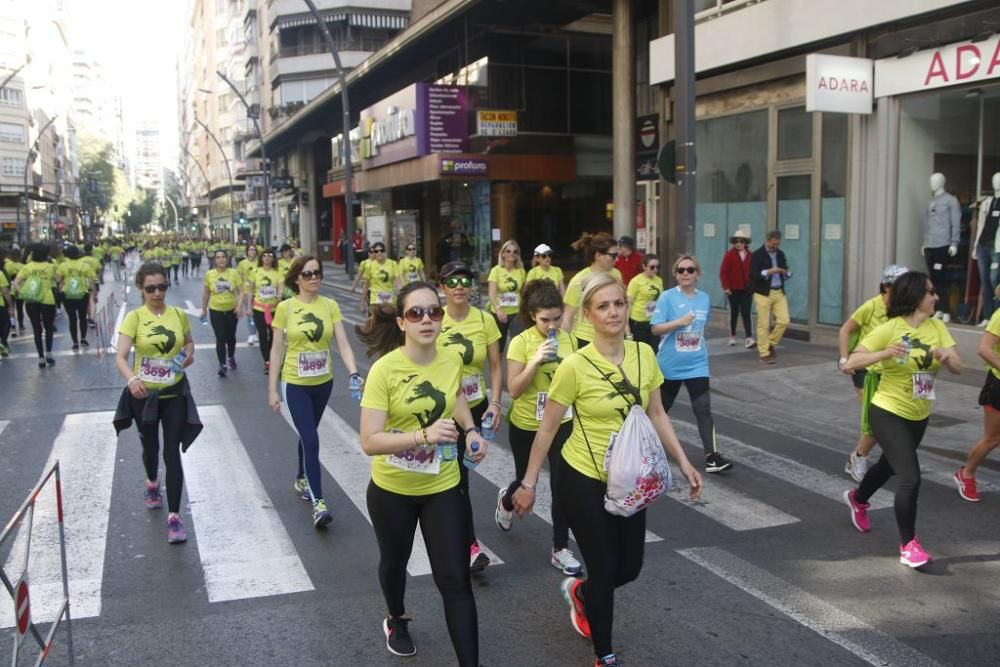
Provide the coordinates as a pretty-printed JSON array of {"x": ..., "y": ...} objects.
[
  {"x": 838, "y": 84},
  {"x": 962, "y": 62},
  {"x": 396, "y": 125}
]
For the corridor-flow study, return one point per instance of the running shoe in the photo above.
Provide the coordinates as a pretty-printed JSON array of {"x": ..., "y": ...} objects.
[
  {"x": 41, "y": 363},
  {"x": 716, "y": 462},
  {"x": 749, "y": 343},
  {"x": 152, "y": 496},
  {"x": 732, "y": 341},
  {"x": 84, "y": 343},
  {"x": 321, "y": 515},
  {"x": 966, "y": 486},
  {"x": 504, "y": 517},
  {"x": 4, "y": 350},
  {"x": 397, "y": 636},
  {"x": 570, "y": 588},
  {"x": 302, "y": 488},
  {"x": 222, "y": 370},
  {"x": 76, "y": 348},
  {"x": 609, "y": 661},
  {"x": 913, "y": 555},
  {"x": 564, "y": 560},
  {"x": 250, "y": 340},
  {"x": 175, "y": 530},
  {"x": 477, "y": 559},
  {"x": 859, "y": 511},
  {"x": 232, "y": 363},
  {"x": 50, "y": 361},
  {"x": 856, "y": 466}
]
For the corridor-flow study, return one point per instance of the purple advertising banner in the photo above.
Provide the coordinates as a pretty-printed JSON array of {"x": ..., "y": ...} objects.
[{"x": 445, "y": 127}]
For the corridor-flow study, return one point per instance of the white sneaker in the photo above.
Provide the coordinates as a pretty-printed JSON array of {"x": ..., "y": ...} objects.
[
  {"x": 946, "y": 318},
  {"x": 732, "y": 341},
  {"x": 856, "y": 466},
  {"x": 565, "y": 560},
  {"x": 251, "y": 340},
  {"x": 503, "y": 517},
  {"x": 982, "y": 325},
  {"x": 750, "y": 342}
]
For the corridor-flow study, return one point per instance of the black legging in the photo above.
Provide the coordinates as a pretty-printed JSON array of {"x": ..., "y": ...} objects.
[
  {"x": 642, "y": 332},
  {"x": 701, "y": 405},
  {"x": 76, "y": 309},
  {"x": 739, "y": 306},
  {"x": 899, "y": 439},
  {"x": 520, "y": 447},
  {"x": 172, "y": 414},
  {"x": 224, "y": 325},
  {"x": 504, "y": 328},
  {"x": 41, "y": 314},
  {"x": 4, "y": 324},
  {"x": 264, "y": 334},
  {"x": 612, "y": 548},
  {"x": 19, "y": 307},
  {"x": 394, "y": 518},
  {"x": 463, "y": 485}
]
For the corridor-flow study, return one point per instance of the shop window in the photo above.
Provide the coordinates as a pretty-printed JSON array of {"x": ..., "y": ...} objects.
[
  {"x": 991, "y": 141},
  {"x": 590, "y": 111},
  {"x": 794, "y": 133},
  {"x": 545, "y": 106},
  {"x": 794, "y": 218},
  {"x": 833, "y": 219}
]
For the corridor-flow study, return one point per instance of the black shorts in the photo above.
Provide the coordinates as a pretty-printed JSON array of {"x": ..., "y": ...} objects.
[
  {"x": 859, "y": 378},
  {"x": 989, "y": 397}
]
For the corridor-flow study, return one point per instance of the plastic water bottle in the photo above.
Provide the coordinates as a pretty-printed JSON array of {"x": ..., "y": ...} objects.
[
  {"x": 204, "y": 319},
  {"x": 487, "y": 429},
  {"x": 355, "y": 385},
  {"x": 177, "y": 363},
  {"x": 467, "y": 460},
  {"x": 553, "y": 340},
  {"x": 447, "y": 451},
  {"x": 906, "y": 344}
]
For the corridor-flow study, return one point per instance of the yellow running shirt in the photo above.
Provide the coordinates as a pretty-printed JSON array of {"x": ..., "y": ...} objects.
[
  {"x": 381, "y": 281},
  {"x": 222, "y": 287},
  {"x": 643, "y": 293},
  {"x": 413, "y": 397},
  {"x": 410, "y": 268},
  {"x": 265, "y": 287},
  {"x": 906, "y": 390},
  {"x": 582, "y": 328},
  {"x": 994, "y": 328},
  {"x": 77, "y": 278},
  {"x": 600, "y": 408},
  {"x": 470, "y": 338},
  {"x": 526, "y": 410},
  {"x": 509, "y": 286},
  {"x": 3, "y": 283},
  {"x": 36, "y": 280},
  {"x": 156, "y": 339},
  {"x": 554, "y": 274},
  {"x": 308, "y": 331}
]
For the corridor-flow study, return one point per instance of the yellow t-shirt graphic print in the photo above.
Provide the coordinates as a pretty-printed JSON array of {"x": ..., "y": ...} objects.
[{"x": 156, "y": 341}]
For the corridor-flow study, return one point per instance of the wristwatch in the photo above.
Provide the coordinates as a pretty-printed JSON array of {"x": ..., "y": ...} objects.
[{"x": 841, "y": 362}]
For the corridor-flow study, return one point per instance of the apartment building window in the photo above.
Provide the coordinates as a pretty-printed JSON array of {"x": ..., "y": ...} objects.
[
  {"x": 10, "y": 97},
  {"x": 12, "y": 133},
  {"x": 220, "y": 37},
  {"x": 11, "y": 166}
]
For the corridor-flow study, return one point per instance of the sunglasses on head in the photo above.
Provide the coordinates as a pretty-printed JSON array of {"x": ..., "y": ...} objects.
[
  {"x": 149, "y": 289},
  {"x": 416, "y": 313},
  {"x": 454, "y": 282},
  {"x": 309, "y": 275},
  {"x": 686, "y": 269}
]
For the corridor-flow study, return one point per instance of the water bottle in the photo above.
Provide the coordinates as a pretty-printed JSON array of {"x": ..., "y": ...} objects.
[
  {"x": 204, "y": 319},
  {"x": 355, "y": 386},
  {"x": 553, "y": 340},
  {"x": 902, "y": 361},
  {"x": 487, "y": 428},
  {"x": 447, "y": 451},
  {"x": 177, "y": 363},
  {"x": 467, "y": 460}
]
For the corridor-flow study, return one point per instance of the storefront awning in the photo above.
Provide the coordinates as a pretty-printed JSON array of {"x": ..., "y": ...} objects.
[{"x": 354, "y": 18}]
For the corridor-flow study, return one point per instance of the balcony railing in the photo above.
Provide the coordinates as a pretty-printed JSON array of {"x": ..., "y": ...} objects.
[{"x": 706, "y": 10}]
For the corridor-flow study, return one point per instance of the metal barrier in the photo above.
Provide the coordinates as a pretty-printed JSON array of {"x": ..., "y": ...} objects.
[
  {"x": 20, "y": 593},
  {"x": 105, "y": 319}
]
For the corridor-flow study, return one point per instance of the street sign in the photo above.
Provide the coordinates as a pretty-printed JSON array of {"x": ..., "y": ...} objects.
[
  {"x": 667, "y": 162},
  {"x": 22, "y": 607}
]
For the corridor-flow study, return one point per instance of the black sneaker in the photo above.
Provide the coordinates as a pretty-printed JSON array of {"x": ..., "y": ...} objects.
[
  {"x": 397, "y": 636},
  {"x": 717, "y": 463},
  {"x": 84, "y": 343},
  {"x": 50, "y": 361},
  {"x": 223, "y": 370}
]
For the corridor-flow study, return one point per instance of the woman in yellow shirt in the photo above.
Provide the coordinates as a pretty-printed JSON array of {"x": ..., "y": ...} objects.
[
  {"x": 505, "y": 282},
  {"x": 78, "y": 292},
  {"x": 12, "y": 265},
  {"x": 36, "y": 284},
  {"x": 247, "y": 266},
  {"x": 223, "y": 297},
  {"x": 543, "y": 269},
  {"x": 263, "y": 289},
  {"x": 601, "y": 381},
  {"x": 643, "y": 291},
  {"x": 411, "y": 267},
  {"x": 600, "y": 251},
  {"x": 411, "y": 413}
]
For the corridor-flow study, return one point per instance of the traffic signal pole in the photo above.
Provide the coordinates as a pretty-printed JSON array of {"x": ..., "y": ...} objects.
[
  {"x": 684, "y": 121},
  {"x": 229, "y": 172}
]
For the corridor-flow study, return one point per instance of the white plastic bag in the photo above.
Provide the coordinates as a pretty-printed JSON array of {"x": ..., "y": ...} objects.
[{"x": 637, "y": 467}]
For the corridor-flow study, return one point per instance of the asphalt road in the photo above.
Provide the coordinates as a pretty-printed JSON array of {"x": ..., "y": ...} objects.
[{"x": 767, "y": 570}]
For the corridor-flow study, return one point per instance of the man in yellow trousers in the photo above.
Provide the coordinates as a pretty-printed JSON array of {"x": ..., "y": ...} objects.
[{"x": 768, "y": 273}]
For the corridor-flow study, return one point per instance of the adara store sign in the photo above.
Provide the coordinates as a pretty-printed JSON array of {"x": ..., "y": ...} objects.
[
  {"x": 959, "y": 63},
  {"x": 838, "y": 84}
]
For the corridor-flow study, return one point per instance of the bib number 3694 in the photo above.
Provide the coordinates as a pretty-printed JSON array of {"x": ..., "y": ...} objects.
[{"x": 688, "y": 341}]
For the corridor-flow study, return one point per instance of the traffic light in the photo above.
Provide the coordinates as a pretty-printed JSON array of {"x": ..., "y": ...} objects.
[{"x": 243, "y": 219}]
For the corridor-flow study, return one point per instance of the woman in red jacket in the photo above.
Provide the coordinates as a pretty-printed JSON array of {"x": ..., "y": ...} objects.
[{"x": 734, "y": 274}]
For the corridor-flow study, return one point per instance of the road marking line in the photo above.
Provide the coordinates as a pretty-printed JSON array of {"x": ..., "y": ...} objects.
[
  {"x": 781, "y": 467},
  {"x": 85, "y": 448},
  {"x": 85, "y": 353},
  {"x": 4, "y": 423},
  {"x": 249, "y": 558},
  {"x": 826, "y": 620},
  {"x": 733, "y": 509},
  {"x": 343, "y": 458}
]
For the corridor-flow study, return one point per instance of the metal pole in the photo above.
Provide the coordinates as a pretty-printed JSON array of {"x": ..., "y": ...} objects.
[
  {"x": 208, "y": 184},
  {"x": 173, "y": 206},
  {"x": 28, "y": 159},
  {"x": 684, "y": 96},
  {"x": 346, "y": 121},
  {"x": 10, "y": 76},
  {"x": 232, "y": 214},
  {"x": 263, "y": 157}
]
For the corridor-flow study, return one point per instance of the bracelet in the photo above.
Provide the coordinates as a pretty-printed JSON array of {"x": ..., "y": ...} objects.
[
  {"x": 414, "y": 438},
  {"x": 496, "y": 403},
  {"x": 423, "y": 432},
  {"x": 133, "y": 379},
  {"x": 528, "y": 487}
]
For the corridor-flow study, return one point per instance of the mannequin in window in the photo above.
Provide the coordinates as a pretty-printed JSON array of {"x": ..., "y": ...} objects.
[
  {"x": 988, "y": 249},
  {"x": 942, "y": 228}
]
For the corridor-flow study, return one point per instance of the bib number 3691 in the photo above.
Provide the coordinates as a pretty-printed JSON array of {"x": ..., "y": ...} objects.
[{"x": 156, "y": 371}]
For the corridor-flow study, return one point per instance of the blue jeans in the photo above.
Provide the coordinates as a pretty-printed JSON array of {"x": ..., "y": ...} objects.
[
  {"x": 306, "y": 405},
  {"x": 986, "y": 260}
]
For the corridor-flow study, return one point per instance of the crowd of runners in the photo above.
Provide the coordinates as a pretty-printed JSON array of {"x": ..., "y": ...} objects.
[{"x": 562, "y": 363}]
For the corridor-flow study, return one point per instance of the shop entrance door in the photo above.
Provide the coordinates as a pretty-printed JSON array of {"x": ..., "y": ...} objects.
[{"x": 794, "y": 218}]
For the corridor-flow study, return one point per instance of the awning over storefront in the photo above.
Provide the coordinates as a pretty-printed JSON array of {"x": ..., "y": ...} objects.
[
  {"x": 354, "y": 18},
  {"x": 433, "y": 167}
]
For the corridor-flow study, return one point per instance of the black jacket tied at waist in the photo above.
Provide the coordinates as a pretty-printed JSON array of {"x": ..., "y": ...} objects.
[{"x": 125, "y": 413}]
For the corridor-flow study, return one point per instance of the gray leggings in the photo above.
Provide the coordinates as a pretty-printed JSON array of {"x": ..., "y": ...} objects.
[{"x": 701, "y": 403}]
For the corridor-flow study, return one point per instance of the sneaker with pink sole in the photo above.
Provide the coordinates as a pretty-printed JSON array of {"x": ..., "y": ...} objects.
[
  {"x": 859, "y": 511},
  {"x": 912, "y": 554}
]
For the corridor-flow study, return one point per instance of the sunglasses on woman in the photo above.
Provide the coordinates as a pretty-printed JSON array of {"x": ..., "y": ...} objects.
[
  {"x": 309, "y": 275},
  {"x": 544, "y": 255},
  {"x": 686, "y": 269},
  {"x": 655, "y": 267},
  {"x": 416, "y": 313},
  {"x": 410, "y": 248},
  {"x": 378, "y": 251},
  {"x": 452, "y": 283},
  {"x": 612, "y": 255},
  {"x": 149, "y": 289}
]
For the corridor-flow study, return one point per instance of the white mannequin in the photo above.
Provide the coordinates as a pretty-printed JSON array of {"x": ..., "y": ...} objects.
[
  {"x": 937, "y": 182},
  {"x": 985, "y": 206},
  {"x": 942, "y": 220}
]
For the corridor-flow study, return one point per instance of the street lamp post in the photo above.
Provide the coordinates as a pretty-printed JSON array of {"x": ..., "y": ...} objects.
[
  {"x": 28, "y": 159},
  {"x": 263, "y": 155},
  {"x": 173, "y": 207},
  {"x": 346, "y": 120},
  {"x": 10, "y": 76},
  {"x": 208, "y": 183},
  {"x": 229, "y": 172}
]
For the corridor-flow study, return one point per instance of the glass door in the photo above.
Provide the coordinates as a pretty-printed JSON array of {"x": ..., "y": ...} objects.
[{"x": 794, "y": 221}]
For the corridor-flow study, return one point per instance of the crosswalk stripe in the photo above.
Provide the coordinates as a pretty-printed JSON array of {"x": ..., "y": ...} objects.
[
  {"x": 85, "y": 448},
  {"x": 782, "y": 467},
  {"x": 343, "y": 458},
  {"x": 4, "y": 423},
  {"x": 733, "y": 509},
  {"x": 239, "y": 561},
  {"x": 823, "y": 618}
]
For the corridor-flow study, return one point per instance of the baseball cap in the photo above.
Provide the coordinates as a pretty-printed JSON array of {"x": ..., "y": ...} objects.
[
  {"x": 542, "y": 249},
  {"x": 455, "y": 268},
  {"x": 892, "y": 272}
]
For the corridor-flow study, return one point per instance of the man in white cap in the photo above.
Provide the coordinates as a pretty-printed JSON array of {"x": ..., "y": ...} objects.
[
  {"x": 867, "y": 317},
  {"x": 543, "y": 269}
]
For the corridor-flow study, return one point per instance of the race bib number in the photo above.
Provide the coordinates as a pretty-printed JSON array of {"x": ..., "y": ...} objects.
[
  {"x": 611, "y": 446},
  {"x": 269, "y": 292},
  {"x": 155, "y": 370},
  {"x": 384, "y": 297},
  {"x": 312, "y": 364},
  {"x": 413, "y": 276},
  {"x": 541, "y": 399},
  {"x": 923, "y": 386},
  {"x": 688, "y": 341},
  {"x": 509, "y": 300},
  {"x": 472, "y": 388},
  {"x": 422, "y": 459},
  {"x": 222, "y": 286},
  {"x": 650, "y": 307}
]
